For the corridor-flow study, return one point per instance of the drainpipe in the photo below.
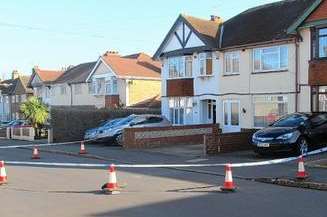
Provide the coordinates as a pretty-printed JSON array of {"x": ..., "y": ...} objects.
[
  {"x": 71, "y": 94},
  {"x": 297, "y": 91}
]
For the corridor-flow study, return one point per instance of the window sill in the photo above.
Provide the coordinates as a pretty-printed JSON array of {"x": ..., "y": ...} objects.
[
  {"x": 205, "y": 76},
  {"x": 229, "y": 75},
  {"x": 272, "y": 71}
]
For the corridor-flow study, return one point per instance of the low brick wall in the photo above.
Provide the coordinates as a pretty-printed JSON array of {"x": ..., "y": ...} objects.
[
  {"x": 137, "y": 138},
  {"x": 228, "y": 142}
]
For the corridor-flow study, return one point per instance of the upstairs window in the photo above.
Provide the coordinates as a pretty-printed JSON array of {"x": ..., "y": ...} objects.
[
  {"x": 270, "y": 59},
  {"x": 180, "y": 67},
  {"x": 205, "y": 64},
  {"x": 322, "y": 42},
  {"x": 100, "y": 86},
  {"x": 232, "y": 63}
]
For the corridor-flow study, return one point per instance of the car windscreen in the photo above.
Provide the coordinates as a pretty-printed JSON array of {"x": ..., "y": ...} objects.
[
  {"x": 290, "y": 121},
  {"x": 124, "y": 121}
]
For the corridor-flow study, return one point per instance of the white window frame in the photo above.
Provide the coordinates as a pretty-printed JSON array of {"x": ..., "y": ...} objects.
[
  {"x": 180, "y": 106},
  {"x": 268, "y": 99},
  {"x": 230, "y": 57},
  {"x": 203, "y": 57},
  {"x": 260, "y": 50}
]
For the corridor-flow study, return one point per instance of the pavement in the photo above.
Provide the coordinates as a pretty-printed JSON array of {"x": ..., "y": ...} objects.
[{"x": 55, "y": 191}]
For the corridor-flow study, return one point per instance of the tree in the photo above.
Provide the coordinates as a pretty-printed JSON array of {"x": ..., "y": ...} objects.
[{"x": 35, "y": 112}]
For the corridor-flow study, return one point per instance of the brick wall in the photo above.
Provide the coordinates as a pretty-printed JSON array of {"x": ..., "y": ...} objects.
[
  {"x": 134, "y": 138},
  {"x": 228, "y": 142},
  {"x": 180, "y": 87},
  {"x": 319, "y": 13},
  {"x": 112, "y": 101},
  {"x": 317, "y": 72}
]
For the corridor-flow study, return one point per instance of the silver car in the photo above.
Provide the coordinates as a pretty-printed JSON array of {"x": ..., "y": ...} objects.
[{"x": 114, "y": 132}]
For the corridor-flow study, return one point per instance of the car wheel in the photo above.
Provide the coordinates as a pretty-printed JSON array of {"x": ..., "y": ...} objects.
[
  {"x": 119, "y": 140},
  {"x": 302, "y": 146}
]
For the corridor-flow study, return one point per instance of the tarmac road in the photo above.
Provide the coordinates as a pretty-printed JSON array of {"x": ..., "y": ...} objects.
[{"x": 155, "y": 192}]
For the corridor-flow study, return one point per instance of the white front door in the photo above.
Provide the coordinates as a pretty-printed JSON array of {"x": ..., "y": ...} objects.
[{"x": 231, "y": 119}]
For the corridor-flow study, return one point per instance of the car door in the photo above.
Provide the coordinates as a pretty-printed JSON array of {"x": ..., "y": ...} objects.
[{"x": 318, "y": 131}]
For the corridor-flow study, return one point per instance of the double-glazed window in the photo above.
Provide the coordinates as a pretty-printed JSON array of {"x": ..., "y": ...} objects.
[
  {"x": 99, "y": 86},
  {"x": 180, "y": 67},
  {"x": 322, "y": 42},
  {"x": 205, "y": 64},
  {"x": 111, "y": 86},
  {"x": 232, "y": 63},
  {"x": 180, "y": 110},
  {"x": 268, "y": 109},
  {"x": 270, "y": 59},
  {"x": 319, "y": 99}
]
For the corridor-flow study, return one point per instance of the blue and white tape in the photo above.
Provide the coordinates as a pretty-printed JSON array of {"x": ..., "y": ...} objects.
[{"x": 245, "y": 164}]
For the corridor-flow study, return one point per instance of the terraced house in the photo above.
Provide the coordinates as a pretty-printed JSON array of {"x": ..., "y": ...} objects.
[{"x": 249, "y": 70}]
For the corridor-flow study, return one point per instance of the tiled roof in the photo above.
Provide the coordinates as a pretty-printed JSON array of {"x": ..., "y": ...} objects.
[
  {"x": 76, "y": 74},
  {"x": 135, "y": 65},
  {"x": 48, "y": 75},
  {"x": 264, "y": 23},
  {"x": 8, "y": 87},
  {"x": 208, "y": 29}
]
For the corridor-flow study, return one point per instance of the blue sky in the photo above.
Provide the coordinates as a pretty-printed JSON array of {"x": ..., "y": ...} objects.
[{"x": 54, "y": 34}]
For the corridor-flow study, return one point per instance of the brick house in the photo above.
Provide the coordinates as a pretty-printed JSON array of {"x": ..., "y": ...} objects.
[
  {"x": 249, "y": 70},
  {"x": 125, "y": 80}
]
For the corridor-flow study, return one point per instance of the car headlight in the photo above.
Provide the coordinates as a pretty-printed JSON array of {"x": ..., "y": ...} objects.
[{"x": 286, "y": 136}]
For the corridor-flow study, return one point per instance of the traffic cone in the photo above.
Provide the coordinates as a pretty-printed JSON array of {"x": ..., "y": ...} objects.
[
  {"x": 3, "y": 174},
  {"x": 111, "y": 186},
  {"x": 35, "y": 154},
  {"x": 301, "y": 173},
  {"x": 82, "y": 150},
  {"x": 228, "y": 184}
]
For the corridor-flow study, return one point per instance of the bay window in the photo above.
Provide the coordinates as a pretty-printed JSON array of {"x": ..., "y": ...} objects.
[
  {"x": 180, "y": 110},
  {"x": 232, "y": 63},
  {"x": 319, "y": 99},
  {"x": 111, "y": 86},
  {"x": 268, "y": 109},
  {"x": 270, "y": 58},
  {"x": 180, "y": 67},
  {"x": 205, "y": 64}
]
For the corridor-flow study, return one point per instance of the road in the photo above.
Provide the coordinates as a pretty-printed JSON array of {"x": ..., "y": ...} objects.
[{"x": 155, "y": 192}]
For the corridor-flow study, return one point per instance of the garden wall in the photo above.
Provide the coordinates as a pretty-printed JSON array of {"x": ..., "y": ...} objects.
[
  {"x": 70, "y": 123},
  {"x": 150, "y": 137},
  {"x": 229, "y": 142}
]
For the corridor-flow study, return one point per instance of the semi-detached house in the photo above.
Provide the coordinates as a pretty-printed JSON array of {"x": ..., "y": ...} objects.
[{"x": 248, "y": 71}]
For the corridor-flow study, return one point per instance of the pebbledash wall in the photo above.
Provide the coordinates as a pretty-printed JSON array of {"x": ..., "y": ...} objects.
[{"x": 135, "y": 138}]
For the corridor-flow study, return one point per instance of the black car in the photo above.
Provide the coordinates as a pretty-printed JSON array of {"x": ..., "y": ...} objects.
[{"x": 296, "y": 133}]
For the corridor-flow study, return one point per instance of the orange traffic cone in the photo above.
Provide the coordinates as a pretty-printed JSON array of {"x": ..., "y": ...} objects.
[
  {"x": 301, "y": 173},
  {"x": 228, "y": 184},
  {"x": 111, "y": 186},
  {"x": 35, "y": 154},
  {"x": 3, "y": 174},
  {"x": 82, "y": 150}
]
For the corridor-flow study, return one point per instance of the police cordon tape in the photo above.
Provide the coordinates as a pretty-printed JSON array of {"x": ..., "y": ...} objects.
[
  {"x": 245, "y": 164},
  {"x": 44, "y": 145}
]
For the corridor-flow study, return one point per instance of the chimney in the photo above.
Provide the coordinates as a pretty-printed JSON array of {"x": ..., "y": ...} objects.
[
  {"x": 15, "y": 74},
  {"x": 111, "y": 53},
  {"x": 216, "y": 19}
]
